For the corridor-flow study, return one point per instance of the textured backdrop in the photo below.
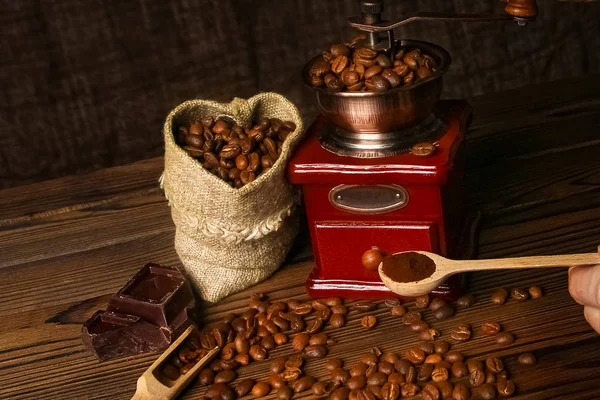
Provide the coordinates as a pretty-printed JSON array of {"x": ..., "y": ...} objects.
[{"x": 87, "y": 83}]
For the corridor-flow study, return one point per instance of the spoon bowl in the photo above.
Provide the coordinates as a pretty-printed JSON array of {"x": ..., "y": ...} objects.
[{"x": 444, "y": 268}]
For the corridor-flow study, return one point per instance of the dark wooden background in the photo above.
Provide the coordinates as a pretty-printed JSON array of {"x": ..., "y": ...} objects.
[
  {"x": 534, "y": 170},
  {"x": 86, "y": 84}
]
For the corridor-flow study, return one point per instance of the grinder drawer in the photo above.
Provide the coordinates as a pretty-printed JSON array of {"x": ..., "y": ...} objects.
[{"x": 340, "y": 245}]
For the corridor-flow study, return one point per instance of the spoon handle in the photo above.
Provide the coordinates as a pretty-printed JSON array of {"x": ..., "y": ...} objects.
[{"x": 567, "y": 260}]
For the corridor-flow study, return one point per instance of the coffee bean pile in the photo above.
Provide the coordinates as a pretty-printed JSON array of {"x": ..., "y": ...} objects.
[
  {"x": 236, "y": 155},
  {"x": 429, "y": 369},
  {"x": 345, "y": 68}
]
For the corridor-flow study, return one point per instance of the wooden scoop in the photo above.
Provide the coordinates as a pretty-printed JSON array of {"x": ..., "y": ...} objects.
[
  {"x": 444, "y": 268},
  {"x": 153, "y": 385}
]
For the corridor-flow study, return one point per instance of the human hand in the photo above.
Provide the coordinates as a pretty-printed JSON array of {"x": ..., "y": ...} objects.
[{"x": 584, "y": 286}]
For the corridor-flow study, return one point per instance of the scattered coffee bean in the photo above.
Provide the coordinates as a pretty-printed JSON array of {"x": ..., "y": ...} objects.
[
  {"x": 424, "y": 372},
  {"x": 278, "y": 365},
  {"x": 411, "y": 317},
  {"x": 466, "y": 301},
  {"x": 206, "y": 376},
  {"x": 494, "y": 364},
  {"x": 459, "y": 369},
  {"x": 429, "y": 334},
  {"x": 505, "y": 338},
  {"x": 499, "y": 296},
  {"x": 436, "y": 303},
  {"x": 369, "y": 359},
  {"x": 461, "y": 332},
  {"x": 409, "y": 390},
  {"x": 427, "y": 348},
  {"x": 300, "y": 341},
  {"x": 364, "y": 305},
  {"x": 519, "y": 294},
  {"x": 460, "y": 392},
  {"x": 318, "y": 339},
  {"x": 527, "y": 359},
  {"x": 477, "y": 378},
  {"x": 303, "y": 384},
  {"x": 315, "y": 351},
  {"x": 333, "y": 363},
  {"x": 444, "y": 312},
  {"x": 285, "y": 393},
  {"x": 280, "y": 338},
  {"x": 415, "y": 355},
  {"x": 446, "y": 389},
  {"x": 422, "y": 301},
  {"x": 490, "y": 328},
  {"x": 261, "y": 389},
  {"x": 396, "y": 377},
  {"x": 506, "y": 388},
  {"x": 433, "y": 359},
  {"x": 341, "y": 376},
  {"x": 368, "y": 321},
  {"x": 258, "y": 353},
  {"x": 486, "y": 392},
  {"x": 535, "y": 292},
  {"x": 243, "y": 387},
  {"x": 419, "y": 326},
  {"x": 342, "y": 393},
  {"x": 474, "y": 364},
  {"x": 390, "y": 391},
  {"x": 430, "y": 392},
  {"x": 377, "y": 379},
  {"x": 337, "y": 321},
  {"x": 356, "y": 382},
  {"x": 359, "y": 369},
  {"x": 441, "y": 347},
  {"x": 490, "y": 377},
  {"x": 225, "y": 376},
  {"x": 398, "y": 311},
  {"x": 454, "y": 356}
]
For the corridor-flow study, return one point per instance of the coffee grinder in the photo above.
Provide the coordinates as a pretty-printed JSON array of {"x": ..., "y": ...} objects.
[{"x": 384, "y": 170}]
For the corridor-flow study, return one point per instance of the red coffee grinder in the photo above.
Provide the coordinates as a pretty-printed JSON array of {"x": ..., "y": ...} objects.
[{"x": 385, "y": 170}]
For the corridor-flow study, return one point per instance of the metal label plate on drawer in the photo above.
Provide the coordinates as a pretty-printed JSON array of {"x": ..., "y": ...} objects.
[{"x": 368, "y": 199}]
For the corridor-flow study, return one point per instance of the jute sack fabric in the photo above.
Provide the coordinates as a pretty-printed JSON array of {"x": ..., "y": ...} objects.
[{"x": 229, "y": 239}]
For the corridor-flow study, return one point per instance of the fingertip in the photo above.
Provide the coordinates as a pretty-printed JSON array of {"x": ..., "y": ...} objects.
[{"x": 592, "y": 316}]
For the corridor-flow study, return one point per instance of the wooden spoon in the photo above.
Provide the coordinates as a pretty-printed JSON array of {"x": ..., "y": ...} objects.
[
  {"x": 154, "y": 385},
  {"x": 444, "y": 268}
]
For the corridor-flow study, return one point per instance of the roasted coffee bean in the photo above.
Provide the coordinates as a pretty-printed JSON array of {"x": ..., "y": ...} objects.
[
  {"x": 357, "y": 395},
  {"x": 477, "y": 378},
  {"x": 454, "y": 356},
  {"x": 241, "y": 344},
  {"x": 411, "y": 317},
  {"x": 368, "y": 321},
  {"x": 364, "y": 305},
  {"x": 228, "y": 365},
  {"x": 324, "y": 314},
  {"x": 535, "y": 292},
  {"x": 268, "y": 342},
  {"x": 424, "y": 72},
  {"x": 350, "y": 77},
  {"x": 339, "y": 64},
  {"x": 466, "y": 301},
  {"x": 494, "y": 364},
  {"x": 436, "y": 303},
  {"x": 359, "y": 369},
  {"x": 519, "y": 294},
  {"x": 378, "y": 84},
  {"x": 411, "y": 375},
  {"x": 242, "y": 358},
  {"x": 501, "y": 375},
  {"x": 247, "y": 177},
  {"x": 422, "y": 301},
  {"x": 396, "y": 377},
  {"x": 283, "y": 324},
  {"x": 424, "y": 372},
  {"x": 385, "y": 367},
  {"x": 377, "y": 379},
  {"x": 315, "y": 351},
  {"x": 230, "y": 151},
  {"x": 461, "y": 332},
  {"x": 439, "y": 374},
  {"x": 280, "y": 338},
  {"x": 441, "y": 347},
  {"x": 389, "y": 357},
  {"x": 342, "y": 393},
  {"x": 490, "y": 377},
  {"x": 506, "y": 388},
  {"x": 294, "y": 362},
  {"x": 430, "y": 392},
  {"x": 337, "y": 320},
  {"x": 339, "y": 309},
  {"x": 253, "y": 162},
  {"x": 427, "y": 348},
  {"x": 460, "y": 392},
  {"x": 459, "y": 369},
  {"x": 371, "y": 370},
  {"x": 318, "y": 339},
  {"x": 285, "y": 393},
  {"x": 296, "y": 323},
  {"x": 390, "y": 303},
  {"x": 278, "y": 365},
  {"x": 333, "y": 363},
  {"x": 527, "y": 359},
  {"x": 228, "y": 351},
  {"x": 246, "y": 145},
  {"x": 409, "y": 78},
  {"x": 505, "y": 338},
  {"x": 241, "y": 162},
  {"x": 499, "y": 296},
  {"x": 290, "y": 374},
  {"x": 474, "y": 364},
  {"x": 322, "y": 388},
  {"x": 443, "y": 312},
  {"x": 303, "y": 384},
  {"x": 340, "y": 375},
  {"x": 415, "y": 355},
  {"x": 402, "y": 366},
  {"x": 225, "y": 376},
  {"x": 372, "y": 71},
  {"x": 258, "y": 353},
  {"x": 486, "y": 392},
  {"x": 243, "y": 387},
  {"x": 262, "y": 331},
  {"x": 340, "y": 50},
  {"x": 419, "y": 326},
  {"x": 369, "y": 359},
  {"x": 300, "y": 341},
  {"x": 234, "y": 173},
  {"x": 356, "y": 382},
  {"x": 176, "y": 361},
  {"x": 398, "y": 311},
  {"x": 409, "y": 390},
  {"x": 319, "y": 69},
  {"x": 490, "y": 328},
  {"x": 445, "y": 388},
  {"x": 390, "y": 391},
  {"x": 314, "y": 326},
  {"x": 429, "y": 334},
  {"x": 433, "y": 359},
  {"x": 261, "y": 389}
]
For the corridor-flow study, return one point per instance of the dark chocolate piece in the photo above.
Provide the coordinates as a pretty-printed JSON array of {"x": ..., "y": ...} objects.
[
  {"x": 157, "y": 294},
  {"x": 110, "y": 335},
  {"x": 145, "y": 315}
]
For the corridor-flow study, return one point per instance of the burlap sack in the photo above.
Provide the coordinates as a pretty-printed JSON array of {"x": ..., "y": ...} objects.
[{"x": 229, "y": 239}]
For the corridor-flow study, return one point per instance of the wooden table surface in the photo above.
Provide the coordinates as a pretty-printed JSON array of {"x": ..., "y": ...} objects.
[{"x": 534, "y": 170}]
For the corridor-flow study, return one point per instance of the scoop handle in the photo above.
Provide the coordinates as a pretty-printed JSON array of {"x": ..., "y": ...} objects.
[{"x": 567, "y": 260}]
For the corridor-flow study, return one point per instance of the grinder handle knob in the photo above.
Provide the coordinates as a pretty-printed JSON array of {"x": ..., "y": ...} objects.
[{"x": 521, "y": 8}]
